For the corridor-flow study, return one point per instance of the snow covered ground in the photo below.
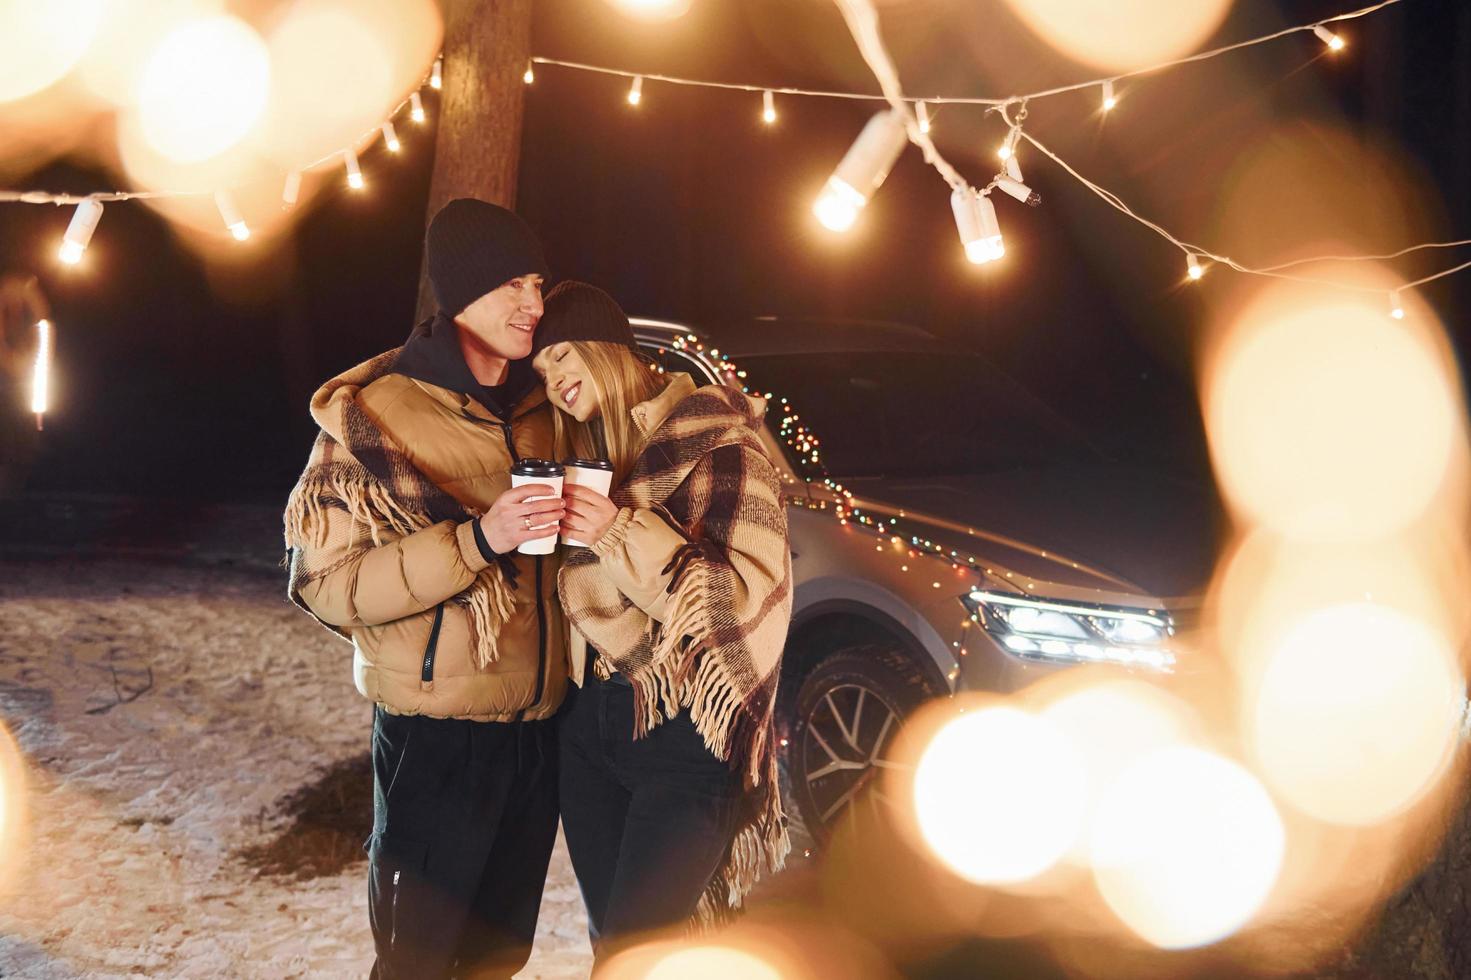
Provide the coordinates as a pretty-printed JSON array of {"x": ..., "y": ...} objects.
[{"x": 138, "y": 807}]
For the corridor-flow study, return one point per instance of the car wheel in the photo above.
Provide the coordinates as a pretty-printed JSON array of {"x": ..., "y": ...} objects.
[{"x": 847, "y": 711}]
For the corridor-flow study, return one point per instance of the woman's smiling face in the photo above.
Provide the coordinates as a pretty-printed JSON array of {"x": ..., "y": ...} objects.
[{"x": 569, "y": 384}]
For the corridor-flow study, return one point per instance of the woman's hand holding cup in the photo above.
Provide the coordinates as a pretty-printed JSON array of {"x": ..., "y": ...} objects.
[
  {"x": 589, "y": 513},
  {"x": 514, "y": 519}
]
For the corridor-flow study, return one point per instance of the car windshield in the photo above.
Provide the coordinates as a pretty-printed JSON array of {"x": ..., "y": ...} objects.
[{"x": 898, "y": 414}]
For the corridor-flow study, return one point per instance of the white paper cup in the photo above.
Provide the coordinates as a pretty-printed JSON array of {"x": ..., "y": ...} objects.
[
  {"x": 551, "y": 474},
  {"x": 595, "y": 474}
]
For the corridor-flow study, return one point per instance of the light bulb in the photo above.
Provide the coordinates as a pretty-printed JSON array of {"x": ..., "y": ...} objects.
[
  {"x": 416, "y": 107},
  {"x": 390, "y": 138},
  {"x": 1396, "y": 308},
  {"x": 636, "y": 90},
  {"x": 436, "y": 74},
  {"x": 1334, "y": 42},
  {"x": 1109, "y": 99},
  {"x": 230, "y": 215},
  {"x": 768, "y": 107},
  {"x": 79, "y": 231},
  {"x": 530, "y": 75},
  {"x": 1005, "y": 151},
  {"x": 291, "y": 191},
  {"x": 1193, "y": 268},
  {"x": 975, "y": 219},
  {"x": 354, "y": 173},
  {"x": 922, "y": 111},
  {"x": 861, "y": 171}
]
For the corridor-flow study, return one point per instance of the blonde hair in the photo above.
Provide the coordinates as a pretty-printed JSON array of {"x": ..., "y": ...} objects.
[{"x": 624, "y": 378}]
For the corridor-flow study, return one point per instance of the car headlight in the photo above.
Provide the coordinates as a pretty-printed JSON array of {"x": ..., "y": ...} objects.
[{"x": 1041, "y": 629}]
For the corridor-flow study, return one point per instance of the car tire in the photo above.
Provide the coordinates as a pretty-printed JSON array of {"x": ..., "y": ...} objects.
[{"x": 845, "y": 714}]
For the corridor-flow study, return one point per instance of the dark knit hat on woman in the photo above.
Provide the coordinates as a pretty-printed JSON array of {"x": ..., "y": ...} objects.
[
  {"x": 580, "y": 311},
  {"x": 475, "y": 247}
]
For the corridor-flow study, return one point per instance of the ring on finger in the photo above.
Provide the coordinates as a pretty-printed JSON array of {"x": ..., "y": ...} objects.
[{"x": 527, "y": 521}]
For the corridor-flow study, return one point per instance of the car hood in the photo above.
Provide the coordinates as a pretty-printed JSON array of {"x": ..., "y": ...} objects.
[{"x": 1087, "y": 527}]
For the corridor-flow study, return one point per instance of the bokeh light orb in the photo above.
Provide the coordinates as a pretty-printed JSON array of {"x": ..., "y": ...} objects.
[
  {"x": 1112, "y": 724},
  {"x": 653, "y": 9},
  {"x": 712, "y": 963},
  {"x": 998, "y": 795},
  {"x": 1121, "y": 34},
  {"x": 41, "y": 41},
  {"x": 1186, "y": 847},
  {"x": 1329, "y": 420},
  {"x": 1356, "y": 712},
  {"x": 328, "y": 95},
  {"x": 204, "y": 88}
]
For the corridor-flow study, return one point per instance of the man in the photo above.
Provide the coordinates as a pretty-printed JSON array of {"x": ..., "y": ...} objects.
[{"x": 402, "y": 537}]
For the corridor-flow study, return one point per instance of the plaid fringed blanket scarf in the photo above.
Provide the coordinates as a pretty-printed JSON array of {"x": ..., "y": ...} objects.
[
  {"x": 360, "y": 490},
  {"x": 730, "y": 603}
]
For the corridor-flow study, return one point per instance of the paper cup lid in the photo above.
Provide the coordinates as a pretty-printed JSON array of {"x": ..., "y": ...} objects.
[
  {"x": 537, "y": 468},
  {"x": 589, "y": 464}
]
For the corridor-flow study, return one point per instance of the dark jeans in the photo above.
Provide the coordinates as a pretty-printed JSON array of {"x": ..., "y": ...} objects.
[
  {"x": 464, "y": 818},
  {"x": 648, "y": 822}
]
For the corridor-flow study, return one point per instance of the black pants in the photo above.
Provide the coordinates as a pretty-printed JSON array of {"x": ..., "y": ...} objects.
[
  {"x": 648, "y": 822},
  {"x": 464, "y": 818}
]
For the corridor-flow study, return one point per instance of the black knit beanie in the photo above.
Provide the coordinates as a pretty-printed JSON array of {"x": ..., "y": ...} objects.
[
  {"x": 475, "y": 247},
  {"x": 580, "y": 311}
]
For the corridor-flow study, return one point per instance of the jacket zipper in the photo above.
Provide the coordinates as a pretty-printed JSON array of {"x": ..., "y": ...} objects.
[
  {"x": 393, "y": 913},
  {"x": 541, "y": 613}
]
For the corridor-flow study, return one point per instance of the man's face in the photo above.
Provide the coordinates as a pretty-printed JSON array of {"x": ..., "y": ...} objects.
[{"x": 505, "y": 318}]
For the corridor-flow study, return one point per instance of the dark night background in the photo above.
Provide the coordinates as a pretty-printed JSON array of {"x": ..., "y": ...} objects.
[{"x": 172, "y": 383}]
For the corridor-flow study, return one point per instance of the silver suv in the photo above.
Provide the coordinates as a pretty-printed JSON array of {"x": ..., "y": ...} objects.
[{"x": 939, "y": 517}]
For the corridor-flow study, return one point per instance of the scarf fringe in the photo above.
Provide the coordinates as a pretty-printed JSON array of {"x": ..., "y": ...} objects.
[
  {"x": 366, "y": 500},
  {"x": 677, "y": 679},
  {"x": 489, "y": 604}
]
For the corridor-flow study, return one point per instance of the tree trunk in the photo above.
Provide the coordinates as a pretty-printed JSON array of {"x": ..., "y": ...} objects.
[{"x": 487, "y": 44}]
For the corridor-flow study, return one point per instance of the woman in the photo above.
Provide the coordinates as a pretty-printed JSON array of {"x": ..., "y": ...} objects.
[{"x": 680, "y": 607}]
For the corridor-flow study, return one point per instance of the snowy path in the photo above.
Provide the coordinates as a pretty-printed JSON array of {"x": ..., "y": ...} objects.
[{"x": 136, "y": 810}]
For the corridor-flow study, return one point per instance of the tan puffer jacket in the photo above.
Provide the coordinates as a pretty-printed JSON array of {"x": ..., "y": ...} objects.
[{"x": 387, "y": 598}]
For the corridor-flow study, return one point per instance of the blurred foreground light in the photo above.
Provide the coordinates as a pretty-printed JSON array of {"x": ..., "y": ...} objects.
[
  {"x": 1109, "y": 99},
  {"x": 1334, "y": 42},
  {"x": 1113, "y": 724},
  {"x": 1122, "y": 34},
  {"x": 922, "y": 113},
  {"x": 79, "y": 230},
  {"x": 861, "y": 171},
  {"x": 1329, "y": 421},
  {"x": 712, "y": 963},
  {"x": 636, "y": 90},
  {"x": 768, "y": 107},
  {"x": 390, "y": 138},
  {"x": 530, "y": 75},
  {"x": 205, "y": 87},
  {"x": 1356, "y": 713},
  {"x": 1186, "y": 847},
  {"x": 653, "y": 9},
  {"x": 416, "y": 108},
  {"x": 436, "y": 74},
  {"x": 41, "y": 41},
  {"x": 998, "y": 795},
  {"x": 1193, "y": 268}
]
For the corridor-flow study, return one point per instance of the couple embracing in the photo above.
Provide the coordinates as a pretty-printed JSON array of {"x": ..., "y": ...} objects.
[{"x": 627, "y": 687}]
